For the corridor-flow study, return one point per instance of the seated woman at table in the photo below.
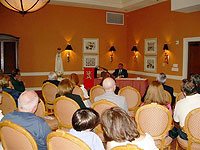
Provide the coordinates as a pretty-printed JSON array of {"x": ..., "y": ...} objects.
[
  {"x": 65, "y": 88},
  {"x": 156, "y": 94}
]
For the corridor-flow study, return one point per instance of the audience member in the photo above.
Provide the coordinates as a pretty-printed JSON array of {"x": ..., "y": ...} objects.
[
  {"x": 184, "y": 106},
  {"x": 65, "y": 88},
  {"x": 83, "y": 122},
  {"x": 120, "y": 129},
  {"x": 195, "y": 78},
  {"x": 25, "y": 117},
  {"x": 52, "y": 78},
  {"x": 16, "y": 80},
  {"x": 162, "y": 79},
  {"x": 109, "y": 86},
  {"x": 120, "y": 72},
  {"x": 156, "y": 94}
]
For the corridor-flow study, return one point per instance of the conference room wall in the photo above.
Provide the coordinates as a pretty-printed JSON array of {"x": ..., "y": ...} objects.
[{"x": 158, "y": 21}]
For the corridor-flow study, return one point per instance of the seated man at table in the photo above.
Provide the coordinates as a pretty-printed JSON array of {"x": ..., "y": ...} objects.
[
  {"x": 120, "y": 72},
  {"x": 109, "y": 85},
  {"x": 25, "y": 117}
]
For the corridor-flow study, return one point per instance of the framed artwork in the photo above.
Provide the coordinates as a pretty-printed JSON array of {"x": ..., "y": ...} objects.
[
  {"x": 150, "y": 46},
  {"x": 90, "y": 60},
  {"x": 150, "y": 63},
  {"x": 91, "y": 45}
]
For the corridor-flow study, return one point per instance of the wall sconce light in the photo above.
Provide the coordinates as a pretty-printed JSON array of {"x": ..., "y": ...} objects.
[
  {"x": 135, "y": 50},
  {"x": 166, "y": 49},
  {"x": 68, "y": 49},
  {"x": 112, "y": 49}
]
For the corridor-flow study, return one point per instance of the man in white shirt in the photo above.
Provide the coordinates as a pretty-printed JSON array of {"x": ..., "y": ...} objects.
[{"x": 109, "y": 85}]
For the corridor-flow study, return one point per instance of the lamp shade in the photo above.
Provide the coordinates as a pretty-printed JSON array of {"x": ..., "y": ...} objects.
[
  {"x": 68, "y": 47},
  {"x": 165, "y": 47},
  {"x": 134, "y": 48},
  {"x": 112, "y": 48},
  {"x": 24, "y": 6}
]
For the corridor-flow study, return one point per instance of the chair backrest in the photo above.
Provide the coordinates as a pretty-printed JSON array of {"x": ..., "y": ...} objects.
[
  {"x": 192, "y": 127},
  {"x": 132, "y": 97},
  {"x": 8, "y": 103},
  {"x": 127, "y": 147},
  {"x": 78, "y": 91},
  {"x": 96, "y": 91},
  {"x": 179, "y": 96},
  {"x": 64, "y": 109},
  {"x": 15, "y": 137},
  {"x": 62, "y": 140},
  {"x": 169, "y": 97},
  {"x": 40, "y": 112},
  {"x": 154, "y": 119},
  {"x": 49, "y": 92}
]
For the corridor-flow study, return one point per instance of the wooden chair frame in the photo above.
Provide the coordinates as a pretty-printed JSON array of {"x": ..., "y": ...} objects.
[
  {"x": 18, "y": 128},
  {"x": 67, "y": 136},
  {"x": 78, "y": 91},
  {"x": 127, "y": 147},
  {"x": 91, "y": 90},
  {"x": 169, "y": 96}
]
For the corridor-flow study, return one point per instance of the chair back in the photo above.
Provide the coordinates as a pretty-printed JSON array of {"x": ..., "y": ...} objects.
[
  {"x": 127, "y": 147},
  {"x": 169, "y": 97},
  {"x": 49, "y": 92},
  {"x": 62, "y": 140},
  {"x": 78, "y": 91},
  {"x": 64, "y": 109},
  {"x": 8, "y": 103},
  {"x": 192, "y": 127},
  {"x": 40, "y": 112},
  {"x": 132, "y": 97},
  {"x": 15, "y": 137},
  {"x": 179, "y": 96},
  {"x": 96, "y": 91},
  {"x": 154, "y": 119}
]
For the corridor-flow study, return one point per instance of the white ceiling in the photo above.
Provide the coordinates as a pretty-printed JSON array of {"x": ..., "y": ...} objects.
[{"x": 114, "y": 5}]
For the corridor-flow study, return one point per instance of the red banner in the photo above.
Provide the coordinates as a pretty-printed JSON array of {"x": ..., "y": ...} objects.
[{"x": 88, "y": 78}]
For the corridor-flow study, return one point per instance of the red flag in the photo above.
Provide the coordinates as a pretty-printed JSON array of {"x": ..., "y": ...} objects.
[{"x": 88, "y": 78}]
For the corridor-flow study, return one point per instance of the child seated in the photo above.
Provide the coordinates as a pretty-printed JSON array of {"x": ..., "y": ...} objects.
[{"x": 84, "y": 121}]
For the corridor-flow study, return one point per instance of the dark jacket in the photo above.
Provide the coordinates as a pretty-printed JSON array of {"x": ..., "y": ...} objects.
[{"x": 124, "y": 73}]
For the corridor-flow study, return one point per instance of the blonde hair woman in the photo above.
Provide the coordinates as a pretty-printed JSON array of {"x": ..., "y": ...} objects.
[
  {"x": 120, "y": 129},
  {"x": 156, "y": 94}
]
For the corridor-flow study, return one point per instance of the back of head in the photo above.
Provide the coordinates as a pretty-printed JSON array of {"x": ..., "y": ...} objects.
[
  {"x": 65, "y": 86},
  {"x": 15, "y": 72},
  {"x": 28, "y": 101},
  {"x": 156, "y": 94},
  {"x": 195, "y": 78},
  {"x": 109, "y": 84},
  {"x": 74, "y": 78},
  {"x": 118, "y": 126},
  {"x": 189, "y": 88},
  {"x": 161, "y": 78},
  {"x": 84, "y": 119},
  {"x": 52, "y": 76}
]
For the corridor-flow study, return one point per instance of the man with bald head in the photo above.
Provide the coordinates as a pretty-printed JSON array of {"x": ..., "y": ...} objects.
[
  {"x": 25, "y": 117},
  {"x": 109, "y": 85}
]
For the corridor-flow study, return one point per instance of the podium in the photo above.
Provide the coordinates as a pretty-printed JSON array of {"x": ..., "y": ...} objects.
[{"x": 88, "y": 77}]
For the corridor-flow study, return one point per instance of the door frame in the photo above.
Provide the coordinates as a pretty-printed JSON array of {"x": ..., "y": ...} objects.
[{"x": 185, "y": 54}]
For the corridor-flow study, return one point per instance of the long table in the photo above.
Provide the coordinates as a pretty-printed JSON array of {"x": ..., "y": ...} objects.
[{"x": 139, "y": 83}]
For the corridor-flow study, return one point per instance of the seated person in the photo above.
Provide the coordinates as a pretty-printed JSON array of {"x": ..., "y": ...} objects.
[
  {"x": 120, "y": 72},
  {"x": 156, "y": 94},
  {"x": 65, "y": 88},
  {"x": 16, "y": 80},
  {"x": 184, "y": 106},
  {"x": 25, "y": 117},
  {"x": 109, "y": 86},
  {"x": 162, "y": 79},
  {"x": 120, "y": 129},
  {"x": 84, "y": 121},
  {"x": 52, "y": 78}
]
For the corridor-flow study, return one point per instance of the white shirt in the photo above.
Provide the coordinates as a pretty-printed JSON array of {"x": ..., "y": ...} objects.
[
  {"x": 90, "y": 138},
  {"x": 184, "y": 106},
  {"x": 112, "y": 97},
  {"x": 147, "y": 143}
]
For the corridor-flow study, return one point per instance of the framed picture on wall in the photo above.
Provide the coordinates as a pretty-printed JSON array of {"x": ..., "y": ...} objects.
[
  {"x": 150, "y": 63},
  {"x": 91, "y": 45},
  {"x": 90, "y": 60},
  {"x": 150, "y": 47}
]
